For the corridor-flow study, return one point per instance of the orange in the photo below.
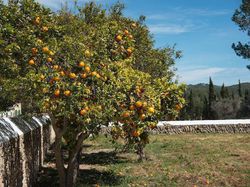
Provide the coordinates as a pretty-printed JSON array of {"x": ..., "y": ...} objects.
[
  {"x": 57, "y": 92},
  {"x": 81, "y": 64},
  {"x": 45, "y": 49},
  {"x": 131, "y": 107},
  {"x": 151, "y": 110},
  {"x": 67, "y": 92},
  {"x": 56, "y": 78},
  {"x": 55, "y": 67},
  {"x": 83, "y": 75},
  {"x": 130, "y": 36},
  {"x": 142, "y": 116},
  {"x": 62, "y": 73},
  {"x": 93, "y": 73},
  {"x": 126, "y": 32},
  {"x": 34, "y": 50},
  {"x": 178, "y": 107},
  {"x": 98, "y": 75},
  {"x": 49, "y": 59},
  {"x": 87, "y": 69},
  {"x": 118, "y": 38},
  {"x": 125, "y": 114},
  {"x": 135, "y": 134},
  {"x": 83, "y": 112},
  {"x": 37, "y": 20},
  {"x": 129, "y": 51},
  {"x": 31, "y": 62},
  {"x": 45, "y": 29},
  {"x": 72, "y": 75},
  {"x": 138, "y": 104}
]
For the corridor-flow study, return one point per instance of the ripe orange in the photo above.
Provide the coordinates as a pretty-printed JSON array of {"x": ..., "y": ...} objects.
[
  {"x": 31, "y": 62},
  {"x": 45, "y": 49},
  {"x": 131, "y": 107},
  {"x": 142, "y": 116},
  {"x": 34, "y": 50},
  {"x": 138, "y": 104},
  {"x": 87, "y": 69},
  {"x": 125, "y": 114},
  {"x": 118, "y": 38},
  {"x": 57, "y": 92},
  {"x": 72, "y": 75},
  {"x": 129, "y": 51},
  {"x": 83, "y": 75},
  {"x": 83, "y": 112},
  {"x": 56, "y": 78},
  {"x": 93, "y": 73},
  {"x": 144, "y": 104},
  {"x": 62, "y": 73},
  {"x": 126, "y": 32},
  {"x": 37, "y": 20},
  {"x": 45, "y": 29},
  {"x": 151, "y": 110},
  {"x": 49, "y": 59},
  {"x": 178, "y": 107},
  {"x": 55, "y": 67},
  {"x": 98, "y": 75},
  {"x": 67, "y": 92},
  {"x": 135, "y": 134},
  {"x": 81, "y": 64}
]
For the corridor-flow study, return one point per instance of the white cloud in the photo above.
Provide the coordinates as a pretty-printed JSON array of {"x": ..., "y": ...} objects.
[
  {"x": 180, "y": 13},
  {"x": 172, "y": 28},
  {"x": 219, "y": 75},
  {"x": 195, "y": 75}
]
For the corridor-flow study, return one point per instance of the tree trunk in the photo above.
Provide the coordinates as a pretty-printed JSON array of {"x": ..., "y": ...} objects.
[
  {"x": 73, "y": 170},
  {"x": 60, "y": 163}
]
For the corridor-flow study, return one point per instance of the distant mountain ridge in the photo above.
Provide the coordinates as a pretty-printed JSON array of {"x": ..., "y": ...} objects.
[{"x": 202, "y": 88}]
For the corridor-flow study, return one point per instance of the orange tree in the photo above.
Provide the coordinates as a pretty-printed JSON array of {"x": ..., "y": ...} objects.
[{"x": 81, "y": 69}]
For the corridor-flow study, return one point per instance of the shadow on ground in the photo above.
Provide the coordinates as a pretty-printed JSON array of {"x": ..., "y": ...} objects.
[
  {"x": 87, "y": 177},
  {"x": 102, "y": 158}
]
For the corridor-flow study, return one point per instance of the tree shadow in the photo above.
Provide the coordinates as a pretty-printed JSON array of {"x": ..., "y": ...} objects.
[
  {"x": 87, "y": 177},
  {"x": 102, "y": 158},
  {"x": 93, "y": 176}
]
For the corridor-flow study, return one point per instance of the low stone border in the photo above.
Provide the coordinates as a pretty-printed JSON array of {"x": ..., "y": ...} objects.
[{"x": 23, "y": 145}]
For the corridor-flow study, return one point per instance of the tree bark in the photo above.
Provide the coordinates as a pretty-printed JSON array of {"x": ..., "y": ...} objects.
[{"x": 74, "y": 158}]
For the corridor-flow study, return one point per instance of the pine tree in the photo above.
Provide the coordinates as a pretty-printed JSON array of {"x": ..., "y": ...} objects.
[
  {"x": 223, "y": 91},
  {"x": 205, "y": 108},
  {"x": 239, "y": 89},
  {"x": 211, "y": 99}
]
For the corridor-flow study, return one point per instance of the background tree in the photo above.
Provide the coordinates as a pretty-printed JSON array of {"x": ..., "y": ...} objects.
[
  {"x": 211, "y": 99},
  {"x": 241, "y": 17}
]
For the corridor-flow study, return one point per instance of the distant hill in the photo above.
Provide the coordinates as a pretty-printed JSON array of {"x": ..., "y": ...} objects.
[{"x": 202, "y": 89}]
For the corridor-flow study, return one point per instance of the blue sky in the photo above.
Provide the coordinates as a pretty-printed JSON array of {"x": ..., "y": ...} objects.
[{"x": 203, "y": 30}]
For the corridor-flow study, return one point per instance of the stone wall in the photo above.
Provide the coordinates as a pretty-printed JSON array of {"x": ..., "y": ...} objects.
[
  {"x": 181, "y": 129},
  {"x": 23, "y": 146}
]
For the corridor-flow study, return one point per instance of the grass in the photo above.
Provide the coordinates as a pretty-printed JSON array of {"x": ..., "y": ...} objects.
[{"x": 173, "y": 160}]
